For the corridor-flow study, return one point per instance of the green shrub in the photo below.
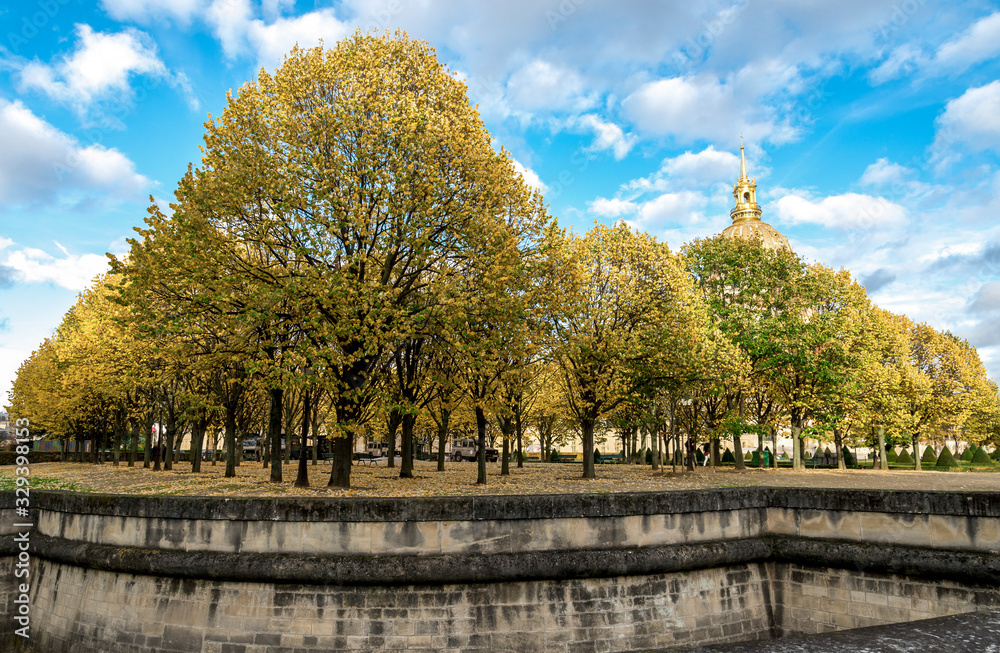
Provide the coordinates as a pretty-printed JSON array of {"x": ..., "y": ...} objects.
[
  {"x": 890, "y": 455},
  {"x": 649, "y": 456},
  {"x": 10, "y": 457},
  {"x": 946, "y": 459},
  {"x": 728, "y": 457},
  {"x": 967, "y": 454},
  {"x": 747, "y": 457},
  {"x": 597, "y": 454},
  {"x": 554, "y": 456},
  {"x": 996, "y": 454},
  {"x": 981, "y": 457},
  {"x": 754, "y": 458},
  {"x": 904, "y": 458},
  {"x": 699, "y": 457},
  {"x": 849, "y": 460},
  {"x": 929, "y": 456}
]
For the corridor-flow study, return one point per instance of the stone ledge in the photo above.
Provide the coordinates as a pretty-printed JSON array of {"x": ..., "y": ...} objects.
[
  {"x": 977, "y": 569},
  {"x": 503, "y": 507},
  {"x": 917, "y": 562},
  {"x": 401, "y": 569},
  {"x": 367, "y": 509}
]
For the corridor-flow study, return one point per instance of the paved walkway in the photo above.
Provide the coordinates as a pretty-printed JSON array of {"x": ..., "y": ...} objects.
[{"x": 964, "y": 633}]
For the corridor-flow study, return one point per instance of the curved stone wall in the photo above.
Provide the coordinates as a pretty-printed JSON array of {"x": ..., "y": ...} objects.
[{"x": 556, "y": 572}]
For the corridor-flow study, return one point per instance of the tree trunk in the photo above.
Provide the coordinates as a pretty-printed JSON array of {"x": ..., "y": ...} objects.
[
  {"x": 655, "y": 442},
  {"x": 302, "y": 480},
  {"x": 518, "y": 433},
  {"x": 168, "y": 453},
  {"x": 774, "y": 447},
  {"x": 314, "y": 417},
  {"x": 838, "y": 442},
  {"x": 179, "y": 442},
  {"x": 340, "y": 475},
  {"x": 406, "y": 450},
  {"x": 119, "y": 434},
  {"x": 738, "y": 451},
  {"x": 883, "y": 461},
  {"x": 230, "y": 439},
  {"x": 716, "y": 452},
  {"x": 504, "y": 453},
  {"x": 157, "y": 447},
  {"x": 796, "y": 451},
  {"x": 916, "y": 452},
  {"x": 392, "y": 423},
  {"x": 481, "y": 446},
  {"x": 274, "y": 432},
  {"x": 197, "y": 439},
  {"x": 442, "y": 437},
  {"x": 588, "y": 448}
]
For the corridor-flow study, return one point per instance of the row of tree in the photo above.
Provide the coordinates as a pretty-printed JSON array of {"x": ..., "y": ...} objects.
[{"x": 353, "y": 255}]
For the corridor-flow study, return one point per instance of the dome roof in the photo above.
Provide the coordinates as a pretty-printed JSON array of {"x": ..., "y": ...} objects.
[{"x": 770, "y": 237}]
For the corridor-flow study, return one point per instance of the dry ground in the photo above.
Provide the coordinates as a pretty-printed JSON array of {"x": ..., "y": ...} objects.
[{"x": 459, "y": 479}]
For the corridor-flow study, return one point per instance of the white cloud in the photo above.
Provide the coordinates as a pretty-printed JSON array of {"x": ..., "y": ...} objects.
[
  {"x": 607, "y": 135},
  {"x": 273, "y": 41},
  {"x": 978, "y": 43},
  {"x": 42, "y": 164},
  {"x": 241, "y": 33},
  {"x": 98, "y": 68},
  {"x": 71, "y": 271},
  {"x": 673, "y": 209},
  {"x": 530, "y": 176},
  {"x": 901, "y": 61},
  {"x": 706, "y": 167},
  {"x": 847, "y": 211},
  {"x": 612, "y": 208},
  {"x": 542, "y": 86},
  {"x": 884, "y": 172},
  {"x": 972, "y": 119},
  {"x": 704, "y": 107}
]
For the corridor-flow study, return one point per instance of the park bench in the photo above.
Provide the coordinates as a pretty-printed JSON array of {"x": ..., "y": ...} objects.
[
  {"x": 567, "y": 457},
  {"x": 365, "y": 458},
  {"x": 608, "y": 459}
]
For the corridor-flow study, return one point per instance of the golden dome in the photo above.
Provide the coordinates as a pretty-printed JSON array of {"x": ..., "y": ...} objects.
[
  {"x": 746, "y": 214},
  {"x": 770, "y": 237}
]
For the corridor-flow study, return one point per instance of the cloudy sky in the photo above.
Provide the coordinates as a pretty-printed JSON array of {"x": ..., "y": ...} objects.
[{"x": 872, "y": 126}]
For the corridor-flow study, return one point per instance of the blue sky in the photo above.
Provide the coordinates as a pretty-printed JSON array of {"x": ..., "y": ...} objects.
[{"x": 872, "y": 127}]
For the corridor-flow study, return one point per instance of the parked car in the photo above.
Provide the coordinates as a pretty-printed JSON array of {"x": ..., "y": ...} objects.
[{"x": 468, "y": 448}]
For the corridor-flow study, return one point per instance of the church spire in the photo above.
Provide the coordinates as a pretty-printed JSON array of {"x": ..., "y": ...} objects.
[{"x": 743, "y": 161}]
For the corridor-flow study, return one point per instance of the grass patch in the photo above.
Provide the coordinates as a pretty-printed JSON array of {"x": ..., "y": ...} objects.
[{"x": 9, "y": 483}]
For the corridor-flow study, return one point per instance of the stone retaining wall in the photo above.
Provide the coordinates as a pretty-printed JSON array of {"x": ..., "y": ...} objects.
[{"x": 541, "y": 573}]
